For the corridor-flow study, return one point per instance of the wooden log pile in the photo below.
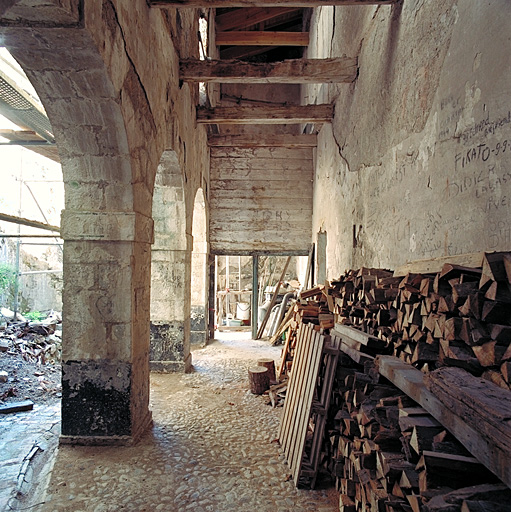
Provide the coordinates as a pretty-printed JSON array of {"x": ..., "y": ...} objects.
[
  {"x": 460, "y": 316},
  {"x": 388, "y": 454}
]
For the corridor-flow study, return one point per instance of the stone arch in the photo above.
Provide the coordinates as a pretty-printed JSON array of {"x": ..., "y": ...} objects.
[
  {"x": 200, "y": 272},
  {"x": 107, "y": 238},
  {"x": 171, "y": 263}
]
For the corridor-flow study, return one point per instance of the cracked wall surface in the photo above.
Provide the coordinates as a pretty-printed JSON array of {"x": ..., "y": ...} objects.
[{"x": 417, "y": 162}]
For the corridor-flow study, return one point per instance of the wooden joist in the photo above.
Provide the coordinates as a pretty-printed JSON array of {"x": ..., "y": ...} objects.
[
  {"x": 265, "y": 3},
  {"x": 291, "y": 71},
  {"x": 411, "y": 381},
  {"x": 292, "y": 114},
  {"x": 261, "y": 38},
  {"x": 263, "y": 140},
  {"x": 247, "y": 17}
]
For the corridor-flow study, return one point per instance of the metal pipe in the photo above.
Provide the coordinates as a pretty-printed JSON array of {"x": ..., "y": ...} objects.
[{"x": 282, "y": 312}]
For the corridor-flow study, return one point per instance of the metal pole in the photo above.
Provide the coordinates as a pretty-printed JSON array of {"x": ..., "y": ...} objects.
[{"x": 255, "y": 295}]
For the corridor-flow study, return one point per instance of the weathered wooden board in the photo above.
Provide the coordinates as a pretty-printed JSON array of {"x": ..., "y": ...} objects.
[
  {"x": 258, "y": 215},
  {"x": 234, "y": 173},
  {"x": 277, "y": 153},
  {"x": 267, "y": 202},
  {"x": 482, "y": 404},
  {"x": 292, "y": 71},
  {"x": 262, "y": 140},
  {"x": 243, "y": 18},
  {"x": 271, "y": 114},
  {"x": 266, "y": 3},
  {"x": 411, "y": 381},
  {"x": 261, "y": 38},
  {"x": 435, "y": 264}
]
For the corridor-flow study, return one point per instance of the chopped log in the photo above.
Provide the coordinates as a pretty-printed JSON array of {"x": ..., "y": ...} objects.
[
  {"x": 270, "y": 365},
  {"x": 259, "y": 379}
]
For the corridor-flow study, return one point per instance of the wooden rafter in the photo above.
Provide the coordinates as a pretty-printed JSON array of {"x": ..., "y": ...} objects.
[
  {"x": 242, "y": 52},
  {"x": 292, "y": 71},
  {"x": 261, "y": 38},
  {"x": 265, "y": 3},
  {"x": 242, "y": 18},
  {"x": 293, "y": 114},
  {"x": 261, "y": 140}
]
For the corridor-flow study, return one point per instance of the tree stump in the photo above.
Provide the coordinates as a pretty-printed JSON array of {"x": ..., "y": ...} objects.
[
  {"x": 270, "y": 364},
  {"x": 259, "y": 379}
]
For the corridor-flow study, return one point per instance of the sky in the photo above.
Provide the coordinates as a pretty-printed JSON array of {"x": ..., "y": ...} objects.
[{"x": 23, "y": 171}]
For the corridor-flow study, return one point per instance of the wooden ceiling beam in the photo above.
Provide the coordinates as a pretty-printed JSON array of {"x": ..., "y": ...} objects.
[
  {"x": 263, "y": 140},
  {"x": 261, "y": 38},
  {"x": 265, "y": 3},
  {"x": 292, "y": 114},
  {"x": 292, "y": 71},
  {"x": 243, "y": 18},
  {"x": 242, "y": 52}
]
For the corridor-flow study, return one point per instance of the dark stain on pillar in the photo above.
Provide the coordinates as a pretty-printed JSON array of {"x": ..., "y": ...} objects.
[{"x": 96, "y": 398}]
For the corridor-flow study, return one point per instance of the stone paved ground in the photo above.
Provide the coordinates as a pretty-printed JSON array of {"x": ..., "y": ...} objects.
[
  {"x": 27, "y": 443},
  {"x": 211, "y": 449}
]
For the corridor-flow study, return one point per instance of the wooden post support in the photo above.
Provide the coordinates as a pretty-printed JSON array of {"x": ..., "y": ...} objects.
[
  {"x": 259, "y": 379},
  {"x": 255, "y": 295},
  {"x": 270, "y": 365}
]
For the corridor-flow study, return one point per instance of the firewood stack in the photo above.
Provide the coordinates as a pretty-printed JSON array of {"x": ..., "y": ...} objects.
[{"x": 388, "y": 454}]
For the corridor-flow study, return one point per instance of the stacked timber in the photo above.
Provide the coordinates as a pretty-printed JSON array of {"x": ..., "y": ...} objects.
[
  {"x": 386, "y": 453},
  {"x": 459, "y": 317}
]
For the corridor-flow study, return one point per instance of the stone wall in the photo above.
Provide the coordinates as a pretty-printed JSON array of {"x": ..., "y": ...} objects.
[
  {"x": 417, "y": 161},
  {"x": 107, "y": 74}
]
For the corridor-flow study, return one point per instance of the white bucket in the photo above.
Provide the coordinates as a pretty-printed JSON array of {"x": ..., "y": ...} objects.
[{"x": 243, "y": 311}]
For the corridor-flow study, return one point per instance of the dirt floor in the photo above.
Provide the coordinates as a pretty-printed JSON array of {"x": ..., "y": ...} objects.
[{"x": 29, "y": 380}]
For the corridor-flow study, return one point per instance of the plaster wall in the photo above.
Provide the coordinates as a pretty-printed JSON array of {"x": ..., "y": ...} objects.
[{"x": 417, "y": 161}]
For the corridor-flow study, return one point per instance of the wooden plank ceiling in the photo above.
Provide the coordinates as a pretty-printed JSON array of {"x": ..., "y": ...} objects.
[{"x": 261, "y": 148}]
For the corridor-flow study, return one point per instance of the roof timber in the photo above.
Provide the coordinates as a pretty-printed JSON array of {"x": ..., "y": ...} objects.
[
  {"x": 292, "y": 114},
  {"x": 261, "y": 38},
  {"x": 292, "y": 71},
  {"x": 247, "y": 17},
  {"x": 265, "y": 3},
  {"x": 262, "y": 140}
]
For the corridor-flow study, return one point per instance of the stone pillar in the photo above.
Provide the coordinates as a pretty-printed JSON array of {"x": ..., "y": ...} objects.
[
  {"x": 105, "y": 370},
  {"x": 170, "y": 311},
  {"x": 199, "y": 310}
]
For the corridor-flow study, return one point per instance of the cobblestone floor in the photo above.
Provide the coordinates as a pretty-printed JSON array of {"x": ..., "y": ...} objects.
[{"x": 212, "y": 448}]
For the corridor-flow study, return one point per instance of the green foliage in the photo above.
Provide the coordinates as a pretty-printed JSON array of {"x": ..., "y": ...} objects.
[
  {"x": 34, "y": 316},
  {"x": 7, "y": 284}
]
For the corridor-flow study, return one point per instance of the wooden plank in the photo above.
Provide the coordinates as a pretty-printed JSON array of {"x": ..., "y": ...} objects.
[
  {"x": 264, "y": 202},
  {"x": 291, "y": 71},
  {"x": 262, "y": 163},
  {"x": 220, "y": 216},
  {"x": 247, "y": 17},
  {"x": 232, "y": 173},
  {"x": 301, "y": 388},
  {"x": 300, "y": 191},
  {"x": 296, "y": 114},
  {"x": 284, "y": 426},
  {"x": 345, "y": 331},
  {"x": 411, "y": 382},
  {"x": 24, "y": 405},
  {"x": 261, "y": 38},
  {"x": 311, "y": 381},
  {"x": 435, "y": 265},
  {"x": 486, "y": 407},
  {"x": 273, "y": 140},
  {"x": 265, "y": 3},
  {"x": 244, "y": 230},
  {"x": 297, "y": 247},
  {"x": 263, "y": 153}
]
